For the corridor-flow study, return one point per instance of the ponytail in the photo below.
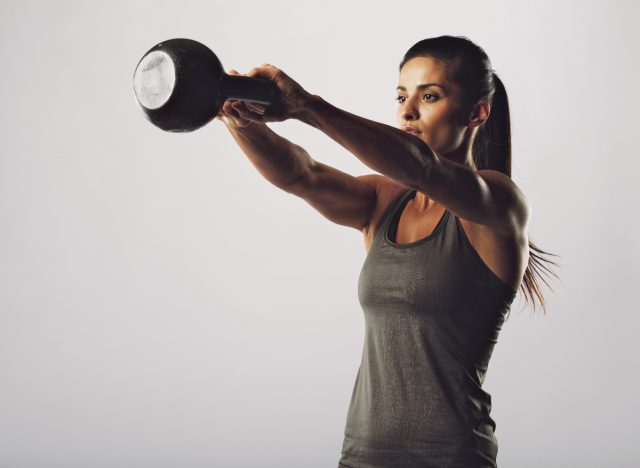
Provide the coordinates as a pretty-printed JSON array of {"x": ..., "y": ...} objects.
[{"x": 492, "y": 145}]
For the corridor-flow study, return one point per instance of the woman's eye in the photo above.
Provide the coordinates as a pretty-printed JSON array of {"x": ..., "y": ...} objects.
[{"x": 434, "y": 97}]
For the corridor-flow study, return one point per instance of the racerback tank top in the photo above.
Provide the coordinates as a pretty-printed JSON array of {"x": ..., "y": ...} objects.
[{"x": 432, "y": 311}]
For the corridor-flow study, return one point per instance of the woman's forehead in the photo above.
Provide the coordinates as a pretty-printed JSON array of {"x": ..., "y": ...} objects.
[{"x": 424, "y": 70}]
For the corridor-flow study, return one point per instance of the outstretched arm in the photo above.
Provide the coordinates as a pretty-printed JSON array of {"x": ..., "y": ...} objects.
[
  {"x": 484, "y": 197},
  {"x": 385, "y": 149},
  {"x": 338, "y": 196}
]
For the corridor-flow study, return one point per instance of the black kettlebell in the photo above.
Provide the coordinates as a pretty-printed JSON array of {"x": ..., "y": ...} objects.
[{"x": 180, "y": 85}]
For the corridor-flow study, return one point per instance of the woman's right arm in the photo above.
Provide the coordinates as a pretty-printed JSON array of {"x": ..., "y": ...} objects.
[
  {"x": 338, "y": 196},
  {"x": 278, "y": 160}
]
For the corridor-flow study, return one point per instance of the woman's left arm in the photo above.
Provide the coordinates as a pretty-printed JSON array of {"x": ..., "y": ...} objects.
[
  {"x": 484, "y": 197},
  {"x": 390, "y": 151}
]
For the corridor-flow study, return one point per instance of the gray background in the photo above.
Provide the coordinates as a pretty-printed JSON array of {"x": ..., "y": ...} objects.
[{"x": 163, "y": 305}]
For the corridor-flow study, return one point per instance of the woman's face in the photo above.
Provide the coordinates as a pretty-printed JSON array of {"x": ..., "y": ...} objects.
[{"x": 430, "y": 103}]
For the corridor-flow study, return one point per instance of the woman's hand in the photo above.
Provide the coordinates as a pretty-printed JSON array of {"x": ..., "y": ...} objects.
[
  {"x": 293, "y": 97},
  {"x": 293, "y": 100}
]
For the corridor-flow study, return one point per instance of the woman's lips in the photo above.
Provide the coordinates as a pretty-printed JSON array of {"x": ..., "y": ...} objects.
[{"x": 410, "y": 130}]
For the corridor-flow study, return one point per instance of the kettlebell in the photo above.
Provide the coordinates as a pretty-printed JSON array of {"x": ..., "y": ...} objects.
[{"x": 180, "y": 85}]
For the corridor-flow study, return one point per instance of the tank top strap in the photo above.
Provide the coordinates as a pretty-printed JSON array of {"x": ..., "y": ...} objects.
[{"x": 390, "y": 212}]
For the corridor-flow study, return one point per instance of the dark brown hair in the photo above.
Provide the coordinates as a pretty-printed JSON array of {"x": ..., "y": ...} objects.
[{"x": 469, "y": 68}]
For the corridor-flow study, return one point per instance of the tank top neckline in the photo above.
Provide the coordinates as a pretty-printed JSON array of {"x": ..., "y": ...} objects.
[{"x": 394, "y": 220}]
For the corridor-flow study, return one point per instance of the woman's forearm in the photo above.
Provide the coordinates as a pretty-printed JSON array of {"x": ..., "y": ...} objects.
[
  {"x": 385, "y": 149},
  {"x": 280, "y": 161}
]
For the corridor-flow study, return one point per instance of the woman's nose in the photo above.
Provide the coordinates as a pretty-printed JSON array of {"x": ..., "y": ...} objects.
[
  {"x": 410, "y": 111},
  {"x": 409, "y": 115}
]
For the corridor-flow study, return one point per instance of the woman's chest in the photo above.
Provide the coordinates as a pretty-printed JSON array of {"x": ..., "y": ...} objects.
[{"x": 504, "y": 257}]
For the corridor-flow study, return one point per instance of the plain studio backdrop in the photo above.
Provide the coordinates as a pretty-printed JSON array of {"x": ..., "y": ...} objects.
[{"x": 163, "y": 305}]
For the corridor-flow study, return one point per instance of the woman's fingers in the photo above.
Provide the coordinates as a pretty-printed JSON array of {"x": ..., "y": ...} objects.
[
  {"x": 242, "y": 113},
  {"x": 255, "y": 107},
  {"x": 245, "y": 112},
  {"x": 232, "y": 116},
  {"x": 249, "y": 107}
]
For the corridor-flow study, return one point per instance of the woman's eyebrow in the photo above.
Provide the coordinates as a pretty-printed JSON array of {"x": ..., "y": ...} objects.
[{"x": 423, "y": 86}]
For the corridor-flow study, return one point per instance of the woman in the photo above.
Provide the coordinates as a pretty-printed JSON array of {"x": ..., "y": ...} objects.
[{"x": 445, "y": 229}]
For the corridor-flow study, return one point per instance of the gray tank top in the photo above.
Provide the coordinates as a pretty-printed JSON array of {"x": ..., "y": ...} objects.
[{"x": 432, "y": 311}]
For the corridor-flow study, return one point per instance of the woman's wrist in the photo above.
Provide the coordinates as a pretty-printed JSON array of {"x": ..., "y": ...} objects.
[
  {"x": 307, "y": 111},
  {"x": 248, "y": 131},
  {"x": 233, "y": 126}
]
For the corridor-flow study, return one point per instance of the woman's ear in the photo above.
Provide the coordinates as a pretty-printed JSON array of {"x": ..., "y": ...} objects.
[{"x": 479, "y": 114}]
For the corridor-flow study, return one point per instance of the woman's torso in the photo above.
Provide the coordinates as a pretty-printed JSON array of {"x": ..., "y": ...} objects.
[{"x": 433, "y": 312}]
